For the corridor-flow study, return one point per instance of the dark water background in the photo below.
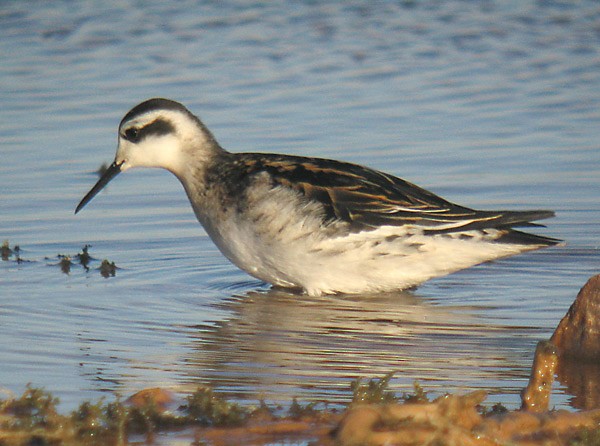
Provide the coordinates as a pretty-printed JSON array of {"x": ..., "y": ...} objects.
[{"x": 492, "y": 104}]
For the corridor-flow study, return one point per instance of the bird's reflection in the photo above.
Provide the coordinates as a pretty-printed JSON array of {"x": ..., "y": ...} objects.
[{"x": 278, "y": 345}]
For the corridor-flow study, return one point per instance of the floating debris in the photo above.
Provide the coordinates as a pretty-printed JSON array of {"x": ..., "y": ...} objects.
[
  {"x": 84, "y": 257},
  {"x": 65, "y": 263},
  {"x": 108, "y": 269},
  {"x": 5, "y": 251},
  {"x": 17, "y": 253}
]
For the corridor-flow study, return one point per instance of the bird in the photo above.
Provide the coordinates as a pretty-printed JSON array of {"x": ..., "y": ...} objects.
[{"x": 315, "y": 225}]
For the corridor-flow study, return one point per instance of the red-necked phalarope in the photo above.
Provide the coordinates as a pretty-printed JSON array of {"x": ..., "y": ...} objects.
[{"x": 321, "y": 225}]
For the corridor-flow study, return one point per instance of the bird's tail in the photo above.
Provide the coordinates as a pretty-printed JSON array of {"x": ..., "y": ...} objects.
[{"x": 524, "y": 238}]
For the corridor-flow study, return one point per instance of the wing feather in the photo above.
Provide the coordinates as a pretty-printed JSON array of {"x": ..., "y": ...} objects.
[{"x": 366, "y": 198}]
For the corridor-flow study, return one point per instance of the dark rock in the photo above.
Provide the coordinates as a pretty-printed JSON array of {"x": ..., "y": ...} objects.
[{"x": 578, "y": 333}]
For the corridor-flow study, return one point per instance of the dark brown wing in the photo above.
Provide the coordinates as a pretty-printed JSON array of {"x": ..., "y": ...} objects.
[{"x": 367, "y": 198}]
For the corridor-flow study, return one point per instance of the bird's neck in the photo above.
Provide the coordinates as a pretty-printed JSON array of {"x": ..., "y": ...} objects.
[{"x": 198, "y": 174}]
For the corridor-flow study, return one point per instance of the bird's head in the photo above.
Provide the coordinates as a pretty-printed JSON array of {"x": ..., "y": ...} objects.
[{"x": 157, "y": 133}]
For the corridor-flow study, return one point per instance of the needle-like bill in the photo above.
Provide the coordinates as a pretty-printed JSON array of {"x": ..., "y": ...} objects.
[{"x": 110, "y": 173}]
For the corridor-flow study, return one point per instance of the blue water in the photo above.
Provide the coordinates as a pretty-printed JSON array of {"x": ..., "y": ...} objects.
[{"x": 490, "y": 104}]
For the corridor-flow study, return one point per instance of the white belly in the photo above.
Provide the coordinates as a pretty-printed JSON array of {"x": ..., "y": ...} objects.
[{"x": 289, "y": 246}]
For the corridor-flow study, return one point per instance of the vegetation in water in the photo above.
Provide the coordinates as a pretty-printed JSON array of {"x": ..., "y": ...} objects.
[
  {"x": 419, "y": 395},
  {"x": 66, "y": 262},
  {"x": 84, "y": 257},
  {"x": 33, "y": 418},
  {"x": 496, "y": 409},
  {"x": 6, "y": 252},
  {"x": 298, "y": 411},
  {"x": 206, "y": 408},
  {"x": 108, "y": 269},
  {"x": 373, "y": 391}
]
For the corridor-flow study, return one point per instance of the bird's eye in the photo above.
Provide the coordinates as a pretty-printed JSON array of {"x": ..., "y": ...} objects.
[{"x": 132, "y": 134}]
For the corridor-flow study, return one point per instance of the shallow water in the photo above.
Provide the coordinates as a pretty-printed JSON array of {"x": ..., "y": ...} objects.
[{"x": 490, "y": 104}]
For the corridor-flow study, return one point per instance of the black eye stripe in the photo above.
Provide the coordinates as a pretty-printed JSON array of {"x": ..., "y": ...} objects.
[{"x": 157, "y": 128}]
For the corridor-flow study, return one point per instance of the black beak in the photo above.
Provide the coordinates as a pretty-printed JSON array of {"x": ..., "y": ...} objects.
[{"x": 110, "y": 173}]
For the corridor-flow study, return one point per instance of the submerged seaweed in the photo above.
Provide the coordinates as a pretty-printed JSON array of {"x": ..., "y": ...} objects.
[{"x": 374, "y": 391}]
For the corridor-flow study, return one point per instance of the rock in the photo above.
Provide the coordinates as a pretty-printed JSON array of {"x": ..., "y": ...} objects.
[
  {"x": 156, "y": 397},
  {"x": 577, "y": 339},
  {"x": 578, "y": 333}
]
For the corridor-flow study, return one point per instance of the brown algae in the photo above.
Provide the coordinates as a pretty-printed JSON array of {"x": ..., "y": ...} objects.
[
  {"x": 374, "y": 391},
  {"x": 107, "y": 269},
  {"x": 66, "y": 262},
  {"x": 6, "y": 252},
  {"x": 413, "y": 420},
  {"x": 84, "y": 257},
  {"x": 33, "y": 418}
]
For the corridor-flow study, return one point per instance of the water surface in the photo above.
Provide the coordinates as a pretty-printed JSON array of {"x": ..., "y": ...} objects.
[{"x": 490, "y": 104}]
